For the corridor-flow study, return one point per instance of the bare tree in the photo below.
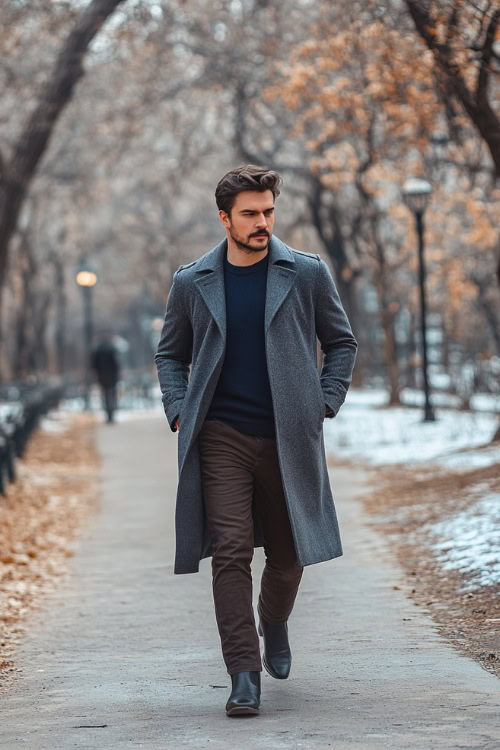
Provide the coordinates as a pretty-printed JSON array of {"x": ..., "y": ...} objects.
[
  {"x": 453, "y": 18},
  {"x": 17, "y": 172}
]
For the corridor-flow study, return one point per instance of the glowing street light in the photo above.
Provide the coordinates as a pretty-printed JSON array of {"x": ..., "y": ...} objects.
[{"x": 86, "y": 279}]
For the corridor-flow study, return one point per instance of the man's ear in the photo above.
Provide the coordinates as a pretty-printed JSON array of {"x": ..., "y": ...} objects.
[{"x": 225, "y": 218}]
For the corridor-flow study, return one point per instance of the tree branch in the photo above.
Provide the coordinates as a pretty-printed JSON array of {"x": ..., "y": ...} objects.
[{"x": 35, "y": 136}]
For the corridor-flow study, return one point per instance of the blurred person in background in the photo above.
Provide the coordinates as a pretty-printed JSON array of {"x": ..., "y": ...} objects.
[
  {"x": 251, "y": 455},
  {"x": 104, "y": 362}
]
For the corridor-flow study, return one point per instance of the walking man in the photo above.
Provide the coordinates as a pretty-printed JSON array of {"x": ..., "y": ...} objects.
[
  {"x": 237, "y": 365},
  {"x": 104, "y": 361}
]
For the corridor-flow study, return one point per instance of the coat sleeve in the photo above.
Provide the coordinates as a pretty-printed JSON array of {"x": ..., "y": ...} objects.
[
  {"x": 337, "y": 341},
  {"x": 174, "y": 352}
]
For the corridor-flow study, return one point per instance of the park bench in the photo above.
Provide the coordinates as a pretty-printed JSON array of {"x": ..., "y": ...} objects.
[{"x": 21, "y": 407}]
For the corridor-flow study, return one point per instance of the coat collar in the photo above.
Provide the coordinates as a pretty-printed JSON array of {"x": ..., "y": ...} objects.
[
  {"x": 280, "y": 279},
  {"x": 213, "y": 260}
]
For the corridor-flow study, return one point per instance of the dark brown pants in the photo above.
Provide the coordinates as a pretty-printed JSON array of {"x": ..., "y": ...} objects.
[{"x": 234, "y": 467}]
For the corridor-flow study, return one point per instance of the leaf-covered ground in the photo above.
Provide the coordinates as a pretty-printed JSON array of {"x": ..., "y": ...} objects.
[
  {"x": 41, "y": 518},
  {"x": 444, "y": 526}
]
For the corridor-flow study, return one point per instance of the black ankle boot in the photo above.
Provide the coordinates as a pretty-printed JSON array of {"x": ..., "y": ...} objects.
[
  {"x": 277, "y": 655},
  {"x": 245, "y": 695}
]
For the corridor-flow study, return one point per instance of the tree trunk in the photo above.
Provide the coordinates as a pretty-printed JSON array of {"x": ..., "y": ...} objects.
[
  {"x": 489, "y": 310},
  {"x": 60, "y": 332},
  {"x": 24, "y": 314},
  {"x": 390, "y": 350},
  {"x": 34, "y": 138},
  {"x": 41, "y": 310},
  {"x": 326, "y": 222}
]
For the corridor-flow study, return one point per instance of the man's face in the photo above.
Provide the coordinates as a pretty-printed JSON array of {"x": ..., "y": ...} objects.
[{"x": 251, "y": 222}]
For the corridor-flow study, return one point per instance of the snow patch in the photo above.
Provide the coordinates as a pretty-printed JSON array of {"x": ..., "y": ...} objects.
[
  {"x": 470, "y": 542},
  {"x": 364, "y": 428}
]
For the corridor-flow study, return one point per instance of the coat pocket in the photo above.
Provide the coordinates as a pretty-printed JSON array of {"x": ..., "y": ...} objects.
[{"x": 321, "y": 400}]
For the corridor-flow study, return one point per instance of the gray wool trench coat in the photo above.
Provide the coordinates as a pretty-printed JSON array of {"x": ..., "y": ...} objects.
[{"x": 302, "y": 304}]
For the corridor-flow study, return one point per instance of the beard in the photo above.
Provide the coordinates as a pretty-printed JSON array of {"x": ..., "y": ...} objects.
[{"x": 246, "y": 246}]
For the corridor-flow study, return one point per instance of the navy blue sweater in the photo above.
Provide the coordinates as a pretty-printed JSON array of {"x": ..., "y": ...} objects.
[{"x": 242, "y": 398}]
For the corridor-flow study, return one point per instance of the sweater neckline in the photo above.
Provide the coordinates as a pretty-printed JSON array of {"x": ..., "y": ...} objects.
[{"x": 253, "y": 268}]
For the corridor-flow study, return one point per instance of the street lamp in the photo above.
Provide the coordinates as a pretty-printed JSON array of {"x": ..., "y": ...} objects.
[
  {"x": 86, "y": 278},
  {"x": 416, "y": 194}
]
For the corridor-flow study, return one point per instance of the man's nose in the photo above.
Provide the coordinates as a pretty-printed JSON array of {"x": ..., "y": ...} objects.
[{"x": 262, "y": 221}]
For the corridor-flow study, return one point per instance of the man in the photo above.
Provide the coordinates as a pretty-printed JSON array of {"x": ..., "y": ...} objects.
[
  {"x": 105, "y": 363},
  {"x": 252, "y": 467}
]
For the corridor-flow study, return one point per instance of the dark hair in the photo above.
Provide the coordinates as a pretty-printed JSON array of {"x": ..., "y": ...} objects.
[{"x": 250, "y": 177}]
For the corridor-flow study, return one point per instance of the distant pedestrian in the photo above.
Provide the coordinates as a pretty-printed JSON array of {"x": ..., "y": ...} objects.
[
  {"x": 237, "y": 365},
  {"x": 106, "y": 365}
]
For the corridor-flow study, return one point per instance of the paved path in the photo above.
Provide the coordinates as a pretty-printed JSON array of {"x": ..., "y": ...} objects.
[{"x": 126, "y": 655}]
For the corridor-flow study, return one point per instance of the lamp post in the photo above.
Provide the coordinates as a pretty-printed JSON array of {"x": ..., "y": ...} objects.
[
  {"x": 416, "y": 194},
  {"x": 86, "y": 278}
]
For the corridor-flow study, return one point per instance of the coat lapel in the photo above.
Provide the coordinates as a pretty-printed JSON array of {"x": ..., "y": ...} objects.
[
  {"x": 280, "y": 279},
  {"x": 210, "y": 284}
]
